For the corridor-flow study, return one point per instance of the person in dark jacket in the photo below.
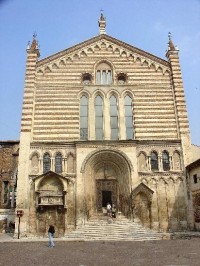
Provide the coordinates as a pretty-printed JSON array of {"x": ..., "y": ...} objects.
[
  {"x": 51, "y": 232},
  {"x": 114, "y": 210}
]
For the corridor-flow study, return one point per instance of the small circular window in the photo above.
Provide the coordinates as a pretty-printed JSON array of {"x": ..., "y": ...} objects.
[
  {"x": 121, "y": 79},
  {"x": 87, "y": 78}
]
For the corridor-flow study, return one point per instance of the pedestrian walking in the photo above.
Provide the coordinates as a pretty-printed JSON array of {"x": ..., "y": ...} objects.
[{"x": 51, "y": 233}]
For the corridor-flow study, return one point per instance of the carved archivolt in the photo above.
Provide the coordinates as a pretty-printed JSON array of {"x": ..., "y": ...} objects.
[{"x": 115, "y": 152}]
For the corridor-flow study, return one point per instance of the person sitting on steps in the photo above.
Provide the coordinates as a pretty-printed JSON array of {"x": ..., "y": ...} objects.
[
  {"x": 113, "y": 212},
  {"x": 108, "y": 207}
]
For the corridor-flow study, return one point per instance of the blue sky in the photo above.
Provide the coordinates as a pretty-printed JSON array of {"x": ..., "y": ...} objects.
[{"x": 60, "y": 24}]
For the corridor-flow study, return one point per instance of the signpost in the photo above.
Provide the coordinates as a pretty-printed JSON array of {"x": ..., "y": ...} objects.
[{"x": 19, "y": 214}]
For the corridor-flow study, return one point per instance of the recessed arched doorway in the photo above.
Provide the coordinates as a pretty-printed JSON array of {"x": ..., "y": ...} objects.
[
  {"x": 141, "y": 198},
  {"x": 107, "y": 178},
  {"x": 50, "y": 198}
]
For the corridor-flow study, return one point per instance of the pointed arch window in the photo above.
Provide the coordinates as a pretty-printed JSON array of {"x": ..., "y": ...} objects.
[
  {"x": 128, "y": 106},
  {"x": 46, "y": 163},
  {"x": 154, "y": 161},
  {"x": 114, "y": 118},
  {"x": 165, "y": 161},
  {"x": 84, "y": 118},
  {"x": 99, "y": 118},
  {"x": 58, "y": 163}
]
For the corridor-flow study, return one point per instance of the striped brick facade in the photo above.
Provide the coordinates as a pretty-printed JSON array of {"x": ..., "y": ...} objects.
[{"x": 51, "y": 126}]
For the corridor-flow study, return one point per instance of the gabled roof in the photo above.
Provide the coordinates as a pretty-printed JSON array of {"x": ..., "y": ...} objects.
[
  {"x": 142, "y": 188},
  {"x": 97, "y": 39},
  {"x": 49, "y": 173},
  {"x": 193, "y": 165}
]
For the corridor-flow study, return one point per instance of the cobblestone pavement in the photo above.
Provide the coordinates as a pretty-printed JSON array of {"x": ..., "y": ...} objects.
[{"x": 94, "y": 253}]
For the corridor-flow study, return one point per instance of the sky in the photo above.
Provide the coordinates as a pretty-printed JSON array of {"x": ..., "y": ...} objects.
[{"x": 60, "y": 24}]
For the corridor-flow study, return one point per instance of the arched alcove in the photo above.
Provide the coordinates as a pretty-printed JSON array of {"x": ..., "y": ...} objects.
[{"x": 141, "y": 198}]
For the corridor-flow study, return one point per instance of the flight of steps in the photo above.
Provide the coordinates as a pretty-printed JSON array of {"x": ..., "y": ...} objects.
[{"x": 104, "y": 228}]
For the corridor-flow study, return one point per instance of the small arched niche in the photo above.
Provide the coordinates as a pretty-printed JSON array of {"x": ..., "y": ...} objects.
[
  {"x": 35, "y": 164},
  {"x": 142, "y": 162}
]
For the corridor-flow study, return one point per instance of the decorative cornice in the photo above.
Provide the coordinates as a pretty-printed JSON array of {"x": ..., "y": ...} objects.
[{"x": 160, "y": 173}]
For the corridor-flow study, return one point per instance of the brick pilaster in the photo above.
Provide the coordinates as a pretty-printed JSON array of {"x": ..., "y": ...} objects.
[
  {"x": 27, "y": 109},
  {"x": 179, "y": 100}
]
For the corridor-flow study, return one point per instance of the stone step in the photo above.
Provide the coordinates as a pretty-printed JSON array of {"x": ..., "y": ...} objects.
[{"x": 103, "y": 228}]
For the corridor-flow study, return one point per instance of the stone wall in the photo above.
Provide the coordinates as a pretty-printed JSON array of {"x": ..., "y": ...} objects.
[{"x": 8, "y": 171}]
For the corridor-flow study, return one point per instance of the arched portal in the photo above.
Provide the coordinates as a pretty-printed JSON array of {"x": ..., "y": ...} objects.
[{"x": 107, "y": 178}]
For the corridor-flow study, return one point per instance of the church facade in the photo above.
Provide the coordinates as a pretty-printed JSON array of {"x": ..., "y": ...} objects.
[{"x": 102, "y": 121}]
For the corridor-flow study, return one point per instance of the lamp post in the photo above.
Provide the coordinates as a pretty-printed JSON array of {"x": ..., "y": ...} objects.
[{"x": 19, "y": 214}]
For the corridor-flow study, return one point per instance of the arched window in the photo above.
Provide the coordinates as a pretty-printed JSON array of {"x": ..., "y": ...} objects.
[
  {"x": 103, "y": 74},
  {"x": 165, "y": 161},
  {"x": 114, "y": 118},
  {"x": 128, "y": 117},
  {"x": 154, "y": 161},
  {"x": 84, "y": 118},
  {"x": 58, "y": 163},
  {"x": 46, "y": 163},
  {"x": 99, "y": 118}
]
